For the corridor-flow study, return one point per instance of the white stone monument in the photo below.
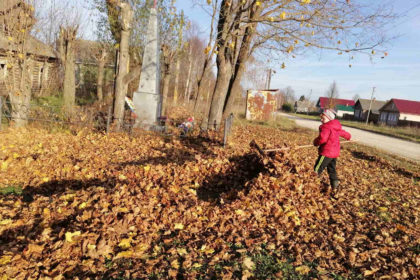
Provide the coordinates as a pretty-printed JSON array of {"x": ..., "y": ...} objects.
[{"x": 147, "y": 99}]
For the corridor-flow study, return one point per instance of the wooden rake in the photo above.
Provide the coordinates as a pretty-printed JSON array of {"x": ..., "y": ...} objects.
[{"x": 298, "y": 147}]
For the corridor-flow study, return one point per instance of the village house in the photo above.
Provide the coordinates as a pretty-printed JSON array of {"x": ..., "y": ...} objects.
[
  {"x": 400, "y": 112},
  {"x": 304, "y": 106},
  {"x": 43, "y": 58},
  {"x": 361, "y": 109},
  {"x": 341, "y": 106}
]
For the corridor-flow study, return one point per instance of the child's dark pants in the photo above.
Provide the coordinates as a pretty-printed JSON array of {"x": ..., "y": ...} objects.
[{"x": 329, "y": 163}]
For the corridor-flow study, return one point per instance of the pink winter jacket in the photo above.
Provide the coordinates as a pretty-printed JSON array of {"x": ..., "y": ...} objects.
[{"x": 329, "y": 138}]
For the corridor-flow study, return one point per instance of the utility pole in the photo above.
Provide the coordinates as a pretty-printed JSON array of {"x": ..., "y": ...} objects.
[
  {"x": 270, "y": 72},
  {"x": 370, "y": 105},
  {"x": 269, "y": 78}
]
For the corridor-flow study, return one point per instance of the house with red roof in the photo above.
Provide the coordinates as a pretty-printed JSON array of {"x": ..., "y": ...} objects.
[
  {"x": 400, "y": 112},
  {"x": 341, "y": 106}
]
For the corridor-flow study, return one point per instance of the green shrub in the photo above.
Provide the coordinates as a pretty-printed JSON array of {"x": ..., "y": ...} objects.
[{"x": 287, "y": 107}]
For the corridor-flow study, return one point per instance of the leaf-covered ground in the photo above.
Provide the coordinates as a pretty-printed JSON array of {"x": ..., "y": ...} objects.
[{"x": 147, "y": 207}]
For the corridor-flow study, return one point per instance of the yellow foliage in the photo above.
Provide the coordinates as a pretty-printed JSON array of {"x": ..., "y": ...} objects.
[
  {"x": 181, "y": 251},
  {"x": 5, "y": 222},
  {"x": 82, "y": 205},
  {"x": 68, "y": 197},
  {"x": 70, "y": 235},
  {"x": 124, "y": 254},
  {"x": 5, "y": 260},
  {"x": 175, "y": 264},
  {"x": 125, "y": 243},
  {"x": 303, "y": 269},
  {"x": 179, "y": 226},
  {"x": 283, "y": 15},
  {"x": 4, "y": 165}
]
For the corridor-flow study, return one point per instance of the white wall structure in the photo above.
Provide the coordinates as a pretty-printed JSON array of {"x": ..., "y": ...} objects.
[
  {"x": 410, "y": 117},
  {"x": 340, "y": 113},
  {"x": 147, "y": 99}
]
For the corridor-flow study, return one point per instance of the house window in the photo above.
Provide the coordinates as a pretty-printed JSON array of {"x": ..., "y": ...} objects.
[
  {"x": 384, "y": 116},
  {"x": 41, "y": 70},
  {"x": 3, "y": 70},
  {"x": 393, "y": 117}
]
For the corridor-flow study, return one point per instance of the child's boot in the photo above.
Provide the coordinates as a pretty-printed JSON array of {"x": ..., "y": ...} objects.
[{"x": 335, "y": 188}]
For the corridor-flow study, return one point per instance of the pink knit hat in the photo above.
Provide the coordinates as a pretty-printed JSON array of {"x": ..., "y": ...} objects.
[{"x": 329, "y": 113}]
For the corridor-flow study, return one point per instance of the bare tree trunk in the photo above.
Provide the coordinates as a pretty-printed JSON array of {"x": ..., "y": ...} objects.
[
  {"x": 67, "y": 37},
  {"x": 224, "y": 60},
  {"x": 224, "y": 75},
  {"x": 200, "y": 84},
  {"x": 234, "y": 90},
  {"x": 121, "y": 88},
  {"x": 187, "y": 85},
  {"x": 208, "y": 58},
  {"x": 166, "y": 73},
  {"x": 101, "y": 72},
  {"x": 165, "y": 89},
  {"x": 176, "y": 83},
  {"x": 21, "y": 96}
]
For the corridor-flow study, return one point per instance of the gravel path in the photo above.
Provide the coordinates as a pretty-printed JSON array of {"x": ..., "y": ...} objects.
[{"x": 391, "y": 145}]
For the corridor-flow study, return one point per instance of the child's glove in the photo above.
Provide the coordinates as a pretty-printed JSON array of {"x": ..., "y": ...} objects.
[{"x": 316, "y": 141}]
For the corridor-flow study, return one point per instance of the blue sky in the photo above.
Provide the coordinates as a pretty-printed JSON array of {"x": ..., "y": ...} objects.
[{"x": 396, "y": 76}]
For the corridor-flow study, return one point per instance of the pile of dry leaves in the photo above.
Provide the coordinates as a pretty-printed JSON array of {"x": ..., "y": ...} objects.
[{"x": 148, "y": 207}]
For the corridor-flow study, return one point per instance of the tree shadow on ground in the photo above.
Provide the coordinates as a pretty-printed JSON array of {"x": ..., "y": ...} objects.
[
  {"x": 58, "y": 187},
  {"x": 18, "y": 237},
  {"x": 400, "y": 171},
  {"x": 192, "y": 146},
  {"x": 227, "y": 184},
  {"x": 363, "y": 156}
]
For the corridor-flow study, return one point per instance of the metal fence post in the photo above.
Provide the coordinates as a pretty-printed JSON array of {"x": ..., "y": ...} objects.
[
  {"x": 225, "y": 132},
  {"x": 108, "y": 121},
  {"x": 228, "y": 126}
]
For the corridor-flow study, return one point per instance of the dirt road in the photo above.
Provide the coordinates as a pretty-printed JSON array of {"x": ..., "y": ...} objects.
[{"x": 391, "y": 145}]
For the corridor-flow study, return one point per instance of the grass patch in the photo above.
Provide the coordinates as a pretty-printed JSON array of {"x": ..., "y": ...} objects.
[
  {"x": 400, "y": 164},
  {"x": 279, "y": 122},
  {"x": 11, "y": 190}
]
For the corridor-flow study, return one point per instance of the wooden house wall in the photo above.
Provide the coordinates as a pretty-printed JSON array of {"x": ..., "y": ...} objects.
[{"x": 42, "y": 75}]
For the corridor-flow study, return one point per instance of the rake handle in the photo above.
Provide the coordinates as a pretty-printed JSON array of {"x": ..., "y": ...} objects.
[{"x": 300, "y": 147}]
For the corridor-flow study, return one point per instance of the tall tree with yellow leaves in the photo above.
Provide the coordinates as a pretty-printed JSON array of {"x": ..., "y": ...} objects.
[{"x": 285, "y": 26}]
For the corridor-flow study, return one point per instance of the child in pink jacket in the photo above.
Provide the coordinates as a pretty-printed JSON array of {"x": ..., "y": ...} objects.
[{"x": 329, "y": 145}]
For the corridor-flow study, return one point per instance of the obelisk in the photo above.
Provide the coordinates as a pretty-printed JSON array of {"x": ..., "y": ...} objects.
[{"x": 147, "y": 99}]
